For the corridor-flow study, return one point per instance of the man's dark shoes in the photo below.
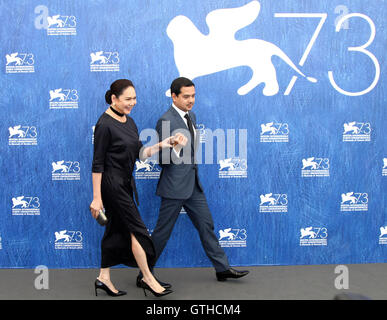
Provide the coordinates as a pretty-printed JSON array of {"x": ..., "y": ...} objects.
[
  {"x": 230, "y": 274},
  {"x": 163, "y": 284}
]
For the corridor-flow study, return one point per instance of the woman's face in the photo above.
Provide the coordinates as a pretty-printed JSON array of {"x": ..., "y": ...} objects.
[{"x": 126, "y": 101}]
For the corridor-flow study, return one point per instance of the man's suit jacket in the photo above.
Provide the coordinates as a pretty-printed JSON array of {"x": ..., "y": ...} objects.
[{"x": 177, "y": 181}]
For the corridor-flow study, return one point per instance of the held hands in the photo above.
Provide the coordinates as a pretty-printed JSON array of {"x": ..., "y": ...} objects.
[
  {"x": 95, "y": 206},
  {"x": 178, "y": 140}
]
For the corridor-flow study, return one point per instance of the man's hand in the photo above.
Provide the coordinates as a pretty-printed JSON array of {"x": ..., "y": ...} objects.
[{"x": 180, "y": 139}]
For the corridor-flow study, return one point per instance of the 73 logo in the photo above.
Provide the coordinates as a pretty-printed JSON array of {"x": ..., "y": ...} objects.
[
  {"x": 25, "y": 202},
  {"x": 232, "y": 234},
  {"x": 315, "y": 163},
  {"x": 45, "y": 21}
]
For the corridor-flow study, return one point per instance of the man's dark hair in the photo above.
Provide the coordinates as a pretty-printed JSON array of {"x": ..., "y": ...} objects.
[{"x": 178, "y": 83}]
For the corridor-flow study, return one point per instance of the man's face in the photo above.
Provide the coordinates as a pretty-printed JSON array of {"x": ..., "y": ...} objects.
[{"x": 186, "y": 98}]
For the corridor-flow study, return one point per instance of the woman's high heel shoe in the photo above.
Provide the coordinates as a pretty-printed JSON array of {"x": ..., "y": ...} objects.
[
  {"x": 100, "y": 285},
  {"x": 145, "y": 287}
]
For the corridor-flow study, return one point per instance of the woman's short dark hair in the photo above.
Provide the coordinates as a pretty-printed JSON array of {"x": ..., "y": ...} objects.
[
  {"x": 178, "y": 83},
  {"x": 116, "y": 88}
]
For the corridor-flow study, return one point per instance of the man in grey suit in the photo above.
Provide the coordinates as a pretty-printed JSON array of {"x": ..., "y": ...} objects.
[{"x": 179, "y": 185}]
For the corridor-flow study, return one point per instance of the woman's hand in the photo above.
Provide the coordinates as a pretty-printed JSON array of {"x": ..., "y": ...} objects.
[
  {"x": 95, "y": 206},
  {"x": 166, "y": 143}
]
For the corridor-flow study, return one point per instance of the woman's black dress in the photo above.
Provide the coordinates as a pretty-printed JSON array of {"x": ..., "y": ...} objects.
[{"x": 116, "y": 148}]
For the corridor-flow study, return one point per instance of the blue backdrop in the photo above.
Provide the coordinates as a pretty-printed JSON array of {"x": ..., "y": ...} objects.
[{"x": 307, "y": 181}]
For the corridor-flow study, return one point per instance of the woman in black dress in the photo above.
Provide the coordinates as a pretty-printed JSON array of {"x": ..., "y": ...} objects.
[{"x": 116, "y": 148}]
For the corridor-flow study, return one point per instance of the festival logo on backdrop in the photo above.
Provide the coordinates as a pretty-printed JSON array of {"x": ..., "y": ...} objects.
[
  {"x": 56, "y": 24},
  {"x": 357, "y": 131},
  {"x": 201, "y": 129},
  {"x": 354, "y": 201},
  {"x": 220, "y": 50},
  {"x": 233, "y": 168},
  {"x": 147, "y": 169},
  {"x": 64, "y": 98},
  {"x": 25, "y": 206},
  {"x": 315, "y": 167},
  {"x": 101, "y": 61},
  {"x": 235, "y": 238},
  {"x": 312, "y": 236},
  {"x": 22, "y": 136},
  {"x": 274, "y": 132},
  {"x": 273, "y": 202},
  {"x": 18, "y": 62},
  {"x": 66, "y": 170},
  {"x": 66, "y": 239},
  {"x": 382, "y": 236},
  {"x": 59, "y": 25},
  {"x": 384, "y": 170}
]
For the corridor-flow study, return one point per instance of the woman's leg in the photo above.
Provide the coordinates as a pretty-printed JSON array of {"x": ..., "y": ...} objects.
[
  {"x": 140, "y": 256},
  {"x": 104, "y": 277}
]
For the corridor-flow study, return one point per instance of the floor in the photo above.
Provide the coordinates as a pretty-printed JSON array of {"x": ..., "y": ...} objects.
[{"x": 316, "y": 282}]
